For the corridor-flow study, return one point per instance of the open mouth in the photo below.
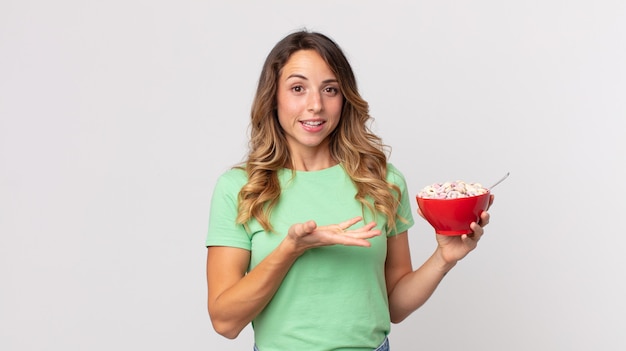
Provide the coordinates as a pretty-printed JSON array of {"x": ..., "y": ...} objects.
[{"x": 312, "y": 124}]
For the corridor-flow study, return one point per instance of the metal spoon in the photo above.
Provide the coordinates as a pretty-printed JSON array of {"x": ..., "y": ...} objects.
[{"x": 499, "y": 181}]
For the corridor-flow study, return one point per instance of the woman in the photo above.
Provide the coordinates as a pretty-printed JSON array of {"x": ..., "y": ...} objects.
[{"x": 308, "y": 239}]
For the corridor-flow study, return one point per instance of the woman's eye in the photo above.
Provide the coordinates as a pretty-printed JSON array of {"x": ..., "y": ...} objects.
[
  {"x": 331, "y": 90},
  {"x": 297, "y": 89}
]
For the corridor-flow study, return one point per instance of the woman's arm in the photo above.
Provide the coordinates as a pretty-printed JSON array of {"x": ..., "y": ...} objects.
[
  {"x": 236, "y": 298},
  {"x": 408, "y": 289}
]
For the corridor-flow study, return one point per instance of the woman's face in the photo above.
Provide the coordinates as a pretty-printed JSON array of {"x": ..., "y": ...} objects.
[{"x": 309, "y": 102}]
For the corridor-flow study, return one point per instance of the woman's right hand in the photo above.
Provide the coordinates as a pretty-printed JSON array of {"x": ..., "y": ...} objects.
[
  {"x": 308, "y": 235},
  {"x": 235, "y": 297}
]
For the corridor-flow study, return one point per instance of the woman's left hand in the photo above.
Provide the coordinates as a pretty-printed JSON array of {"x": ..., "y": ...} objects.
[{"x": 454, "y": 248}]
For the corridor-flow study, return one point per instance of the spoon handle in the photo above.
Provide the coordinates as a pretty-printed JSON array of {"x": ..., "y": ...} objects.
[{"x": 499, "y": 181}]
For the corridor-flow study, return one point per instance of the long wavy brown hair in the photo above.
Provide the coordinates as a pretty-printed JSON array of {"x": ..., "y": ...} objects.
[{"x": 361, "y": 153}]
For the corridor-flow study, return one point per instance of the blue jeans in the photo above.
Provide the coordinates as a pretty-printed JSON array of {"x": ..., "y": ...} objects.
[{"x": 383, "y": 347}]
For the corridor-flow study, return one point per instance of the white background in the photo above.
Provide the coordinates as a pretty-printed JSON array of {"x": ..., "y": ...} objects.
[{"x": 117, "y": 117}]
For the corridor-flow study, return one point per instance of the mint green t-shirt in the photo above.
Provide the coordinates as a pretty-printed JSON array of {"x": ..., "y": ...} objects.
[{"x": 334, "y": 297}]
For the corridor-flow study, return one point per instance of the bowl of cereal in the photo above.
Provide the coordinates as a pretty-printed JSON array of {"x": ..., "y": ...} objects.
[{"x": 451, "y": 207}]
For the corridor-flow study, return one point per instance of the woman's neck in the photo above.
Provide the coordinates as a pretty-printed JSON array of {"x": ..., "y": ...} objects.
[{"x": 311, "y": 162}]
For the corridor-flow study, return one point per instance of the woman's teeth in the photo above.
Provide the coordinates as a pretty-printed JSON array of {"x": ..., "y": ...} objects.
[{"x": 313, "y": 123}]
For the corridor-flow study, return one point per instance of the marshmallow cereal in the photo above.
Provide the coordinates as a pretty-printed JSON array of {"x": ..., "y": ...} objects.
[{"x": 452, "y": 190}]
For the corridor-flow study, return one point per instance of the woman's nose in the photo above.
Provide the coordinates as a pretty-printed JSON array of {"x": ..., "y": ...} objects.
[{"x": 314, "y": 103}]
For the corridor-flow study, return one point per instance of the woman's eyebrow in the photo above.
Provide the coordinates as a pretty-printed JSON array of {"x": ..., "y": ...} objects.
[{"x": 297, "y": 75}]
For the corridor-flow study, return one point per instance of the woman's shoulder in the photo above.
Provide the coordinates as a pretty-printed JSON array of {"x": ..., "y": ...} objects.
[
  {"x": 233, "y": 177},
  {"x": 393, "y": 172}
]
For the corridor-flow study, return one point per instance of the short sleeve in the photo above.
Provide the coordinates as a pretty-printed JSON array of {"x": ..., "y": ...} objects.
[
  {"x": 223, "y": 228},
  {"x": 404, "y": 209}
]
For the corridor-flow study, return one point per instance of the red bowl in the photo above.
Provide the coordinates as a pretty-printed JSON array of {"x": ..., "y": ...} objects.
[{"x": 453, "y": 216}]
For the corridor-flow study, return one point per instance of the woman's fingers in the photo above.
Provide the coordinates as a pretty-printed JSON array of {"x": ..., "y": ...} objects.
[
  {"x": 349, "y": 223},
  {"x": 341, "y": 235},
  {"x": 491, "y": 197},
  {"x": 484, "y": 218}
]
